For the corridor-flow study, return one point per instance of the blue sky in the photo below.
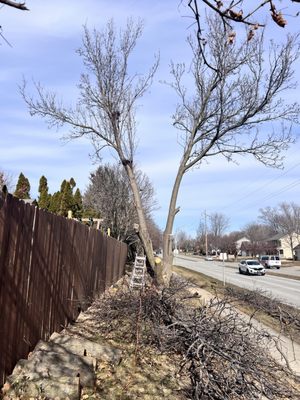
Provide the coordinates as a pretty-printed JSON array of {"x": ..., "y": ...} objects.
[{"x": 44, "y": 41}]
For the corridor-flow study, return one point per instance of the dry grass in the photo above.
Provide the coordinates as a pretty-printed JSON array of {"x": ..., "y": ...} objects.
[{"x": 270, "y": 312}]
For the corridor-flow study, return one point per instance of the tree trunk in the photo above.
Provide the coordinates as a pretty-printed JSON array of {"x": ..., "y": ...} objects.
[
  {"x": 167, "y": 236},
  {"x": 142, "y": 228}
]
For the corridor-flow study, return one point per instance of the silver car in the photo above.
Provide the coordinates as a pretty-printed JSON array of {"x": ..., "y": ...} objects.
[{"x": 251, "y": 267}]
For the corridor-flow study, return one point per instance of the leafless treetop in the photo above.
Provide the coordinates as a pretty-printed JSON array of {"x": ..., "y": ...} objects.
[
  {"x": 243, "y": 11},
  {"x": 237, "y": 12}
]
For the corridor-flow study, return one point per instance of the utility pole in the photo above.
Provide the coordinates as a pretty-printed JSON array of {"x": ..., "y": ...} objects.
[
  {"x": 206, "y": 247},
  {"x": 224, "y": 279}
]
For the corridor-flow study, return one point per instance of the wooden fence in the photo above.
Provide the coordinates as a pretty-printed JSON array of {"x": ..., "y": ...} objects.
[{"x": 50, "y": 269}]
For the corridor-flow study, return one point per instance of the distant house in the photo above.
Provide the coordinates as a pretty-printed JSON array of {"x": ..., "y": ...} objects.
[
  {"x": 248, "y": 248},
  {"x": 285, "y": 244},
  {"x": 297, "y": 252},
  {"x": 239, "y": 246}
]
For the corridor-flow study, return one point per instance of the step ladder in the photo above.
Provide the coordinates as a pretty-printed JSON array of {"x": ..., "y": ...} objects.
[{"x": 137, "y": 280}]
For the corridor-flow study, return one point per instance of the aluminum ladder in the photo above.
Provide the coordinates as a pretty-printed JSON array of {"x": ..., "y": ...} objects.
[{"x": 137, "y": 280}]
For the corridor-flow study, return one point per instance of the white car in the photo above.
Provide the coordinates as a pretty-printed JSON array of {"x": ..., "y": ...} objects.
[
  {"x": 270, "y": 261},
  {"x": 251, "y": 267}
]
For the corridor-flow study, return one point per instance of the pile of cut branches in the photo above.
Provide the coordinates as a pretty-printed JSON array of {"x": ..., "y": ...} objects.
[
  {"x": 225, "y": 356},
  {"x": 287, "y": 316}
]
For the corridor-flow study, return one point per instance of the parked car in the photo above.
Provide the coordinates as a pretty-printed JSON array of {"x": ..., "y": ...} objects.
[
  {"x": 270, "y": 261},
  {"x": 251, "y": 267}
]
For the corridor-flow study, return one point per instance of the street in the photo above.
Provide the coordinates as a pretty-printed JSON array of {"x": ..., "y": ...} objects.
[{"x": 286, "y": 290}]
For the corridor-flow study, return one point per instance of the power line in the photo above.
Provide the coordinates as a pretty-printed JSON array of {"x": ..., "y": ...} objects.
[
  {"x": 271, "y": 195},
  {"x": 262, "y": 187}
]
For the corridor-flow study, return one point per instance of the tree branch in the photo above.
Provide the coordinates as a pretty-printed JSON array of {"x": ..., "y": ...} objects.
[{"x": 15, "y": 4}]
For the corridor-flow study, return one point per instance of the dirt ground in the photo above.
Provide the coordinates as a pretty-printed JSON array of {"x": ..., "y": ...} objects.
[{"x": 142, "y": 372}]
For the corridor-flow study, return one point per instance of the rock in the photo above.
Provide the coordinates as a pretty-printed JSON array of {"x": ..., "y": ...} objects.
[
  {"x": 86, "y": 347},
  {"x": 59, "y": 368},
  {"x": 61, "y": 389},
  {"x": 52, "y": 372}
]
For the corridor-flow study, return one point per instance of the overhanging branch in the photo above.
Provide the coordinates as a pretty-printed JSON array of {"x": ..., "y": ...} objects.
[{"x": 15, "y": 4}]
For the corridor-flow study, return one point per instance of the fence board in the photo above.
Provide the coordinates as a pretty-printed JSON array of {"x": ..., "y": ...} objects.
[{"x": 50, "y": 269}]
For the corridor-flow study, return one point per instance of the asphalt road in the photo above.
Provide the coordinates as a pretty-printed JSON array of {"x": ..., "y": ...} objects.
[{"x": 286, "y": 290}]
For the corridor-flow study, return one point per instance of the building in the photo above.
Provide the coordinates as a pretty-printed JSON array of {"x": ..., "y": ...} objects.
[
  {"x": 285, "y": 245},
  {"x": 239, "y": 243},
  {"x": 297, "y": 252}
]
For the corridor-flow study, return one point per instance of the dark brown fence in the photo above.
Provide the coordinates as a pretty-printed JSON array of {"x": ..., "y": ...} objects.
[{"x": 50, "y": 269}]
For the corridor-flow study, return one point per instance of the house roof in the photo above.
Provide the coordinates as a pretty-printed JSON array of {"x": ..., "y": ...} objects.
[
  {"x": 283, "y": 235},
  {"x": 243, "y": 239},
  {"x": 277, "y": 236}
]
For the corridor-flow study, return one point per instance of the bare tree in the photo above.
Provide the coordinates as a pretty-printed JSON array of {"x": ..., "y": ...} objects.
[
  {"x": 220, "y": 118},
  {"x": 231, "y": 104},
  {"x": 181, "y": 238},
  {"x": 184, "y": 241},
  {"x": 109, "y": 195},
  {"x": 227, "y": 243},
  {"x": 155, "y": 234},
  {"x": 201, "y": 236},
  {"x": 2, "y": 179},
  {"x": 284, "y": 219},
  {"x": 210, "y": 230},
  {"x": 105, "y": 110},
  {"x": 201, "y": 230},
  {"x": 218, "y": 224},
  {"x": 256, "y": 232},
  {"x": 6, "y": 179}
]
